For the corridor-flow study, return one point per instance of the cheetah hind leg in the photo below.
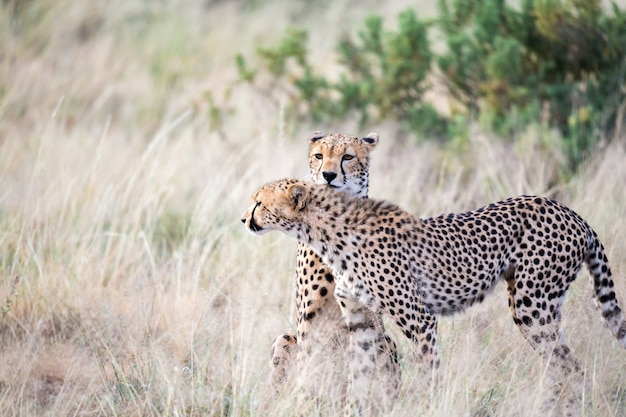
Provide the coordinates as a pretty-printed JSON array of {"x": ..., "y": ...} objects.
[
  {"x": 542, "y": 330},
  {"x": 283, "y": 359}
]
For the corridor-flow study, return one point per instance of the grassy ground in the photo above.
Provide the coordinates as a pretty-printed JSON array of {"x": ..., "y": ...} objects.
[{"x": 128, "y": 285}]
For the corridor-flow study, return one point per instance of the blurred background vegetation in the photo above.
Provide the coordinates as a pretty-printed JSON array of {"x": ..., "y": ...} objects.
[{"x": 557, "y": 63}]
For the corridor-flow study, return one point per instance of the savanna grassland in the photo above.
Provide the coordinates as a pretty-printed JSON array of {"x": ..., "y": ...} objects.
[{"x": 128, "y": 285}]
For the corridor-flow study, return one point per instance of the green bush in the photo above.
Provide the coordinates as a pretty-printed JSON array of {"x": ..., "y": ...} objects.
[
  {"x": 560, "y": 63},
  {"x": 384, "y": 75}
]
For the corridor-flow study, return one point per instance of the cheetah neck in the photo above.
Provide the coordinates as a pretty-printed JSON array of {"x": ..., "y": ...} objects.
[
  {"x": 325, "y": 212},
  {"x": 330, "y": 218}
]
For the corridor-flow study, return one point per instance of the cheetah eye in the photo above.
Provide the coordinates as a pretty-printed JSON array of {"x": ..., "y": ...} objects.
[
  {"x": 348, "y": 157},
  {"x": 319, "y": 156}
]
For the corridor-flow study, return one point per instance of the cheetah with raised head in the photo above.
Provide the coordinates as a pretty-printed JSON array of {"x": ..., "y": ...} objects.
[
  {"x": 415, "y": 270},
  {"x": 340, "y": 162}
]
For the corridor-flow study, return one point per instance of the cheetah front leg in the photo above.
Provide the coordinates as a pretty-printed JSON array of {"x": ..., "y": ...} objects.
[
  {"x": 374, "y": 370},
  {"x": 425, "y": 339},
  {"x": 283, "y": 353},
  {"x": 419, "y": 325}
]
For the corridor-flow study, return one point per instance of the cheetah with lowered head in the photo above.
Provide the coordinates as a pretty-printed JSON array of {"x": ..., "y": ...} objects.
[
  {"x": 414, "y": 269},
  {"x": 340, "y": 162}
]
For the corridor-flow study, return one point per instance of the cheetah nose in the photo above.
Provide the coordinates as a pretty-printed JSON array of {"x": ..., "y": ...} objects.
[
  {"x": 329, "y": 176},
  {"x": 243, "y": 220}
]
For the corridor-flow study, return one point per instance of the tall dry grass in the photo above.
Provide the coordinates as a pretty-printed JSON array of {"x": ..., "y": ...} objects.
[{"x": 128, "y": 285}]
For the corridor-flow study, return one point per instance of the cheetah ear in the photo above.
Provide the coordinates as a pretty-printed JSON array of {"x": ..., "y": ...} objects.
[
  {"x": 371, "y": 139},
  {"x": 298, "y": 195},
  {"x": 315, "y": 136}
]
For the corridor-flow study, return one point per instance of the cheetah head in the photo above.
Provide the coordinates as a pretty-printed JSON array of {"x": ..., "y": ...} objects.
[
  {"x": 341, "y": 161},
  {"x": 276, "y": 206}
]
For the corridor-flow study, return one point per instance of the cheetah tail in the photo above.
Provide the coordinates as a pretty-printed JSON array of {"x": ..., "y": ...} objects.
[{"x": 604, "y": 294}]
